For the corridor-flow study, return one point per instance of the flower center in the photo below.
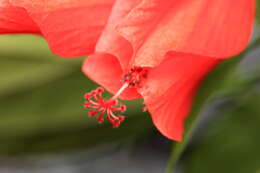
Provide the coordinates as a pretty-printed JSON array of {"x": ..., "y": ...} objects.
[
  {"x": 101, "y": 107},
  {"x": 135, "y": 76}
]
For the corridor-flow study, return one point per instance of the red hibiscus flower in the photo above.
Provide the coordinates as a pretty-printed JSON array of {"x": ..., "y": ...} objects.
[{"x": 158, "y": 50}]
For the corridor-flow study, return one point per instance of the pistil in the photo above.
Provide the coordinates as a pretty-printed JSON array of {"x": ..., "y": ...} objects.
[{"x": 101, "y": 107}]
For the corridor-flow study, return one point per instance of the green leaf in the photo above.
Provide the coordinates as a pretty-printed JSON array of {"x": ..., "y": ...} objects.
[{"x": 224, "y": 78}]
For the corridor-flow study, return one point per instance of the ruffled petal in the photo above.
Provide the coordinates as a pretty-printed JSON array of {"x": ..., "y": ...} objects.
[
  {"x": 110, "y": 41},
  {"x": 105, "y": 69},
  {"x": 217, "y": 28},
  {"x": 15, "y": 19},
  {"x": 169, "y": 90},
  {"x": 71, "y": 27}
]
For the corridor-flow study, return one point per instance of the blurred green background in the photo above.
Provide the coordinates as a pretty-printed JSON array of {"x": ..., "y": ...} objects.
[
  {"x": 42, "y": 102},
  {"x": 44, "y": 127}
]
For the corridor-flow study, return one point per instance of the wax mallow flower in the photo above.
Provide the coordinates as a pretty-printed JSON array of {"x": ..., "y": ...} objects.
[{"x": 158, "y": 50}]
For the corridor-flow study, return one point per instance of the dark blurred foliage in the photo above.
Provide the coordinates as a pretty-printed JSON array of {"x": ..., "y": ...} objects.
[
  {"x": 258, "y": 11},
  {"x": 231, "y": 141}
]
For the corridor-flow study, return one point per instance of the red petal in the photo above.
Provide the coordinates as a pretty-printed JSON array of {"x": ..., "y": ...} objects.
[
  {"x": 110, "y": 41},
  {"x": 71, "y": 27},
  {"x": 169, "y": 90},
  {"x": 107, "y": 72},
  {"x": 214, "y": 28},
  {"x": 15, "y": 19}
]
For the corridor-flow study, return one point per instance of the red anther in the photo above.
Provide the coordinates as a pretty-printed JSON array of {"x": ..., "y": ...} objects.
[
  {"x": 92, "y": 113},
  {"x": 116, "y": 121},
  {"x": 121, "y": 118},
  {"x": 100, "y": 118},
  {"x": 100, "y": 90},
  {"x": 103, "y": 108},
  {"x": 123, "y": 108},
  {"x": 86, "y": 96}
]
